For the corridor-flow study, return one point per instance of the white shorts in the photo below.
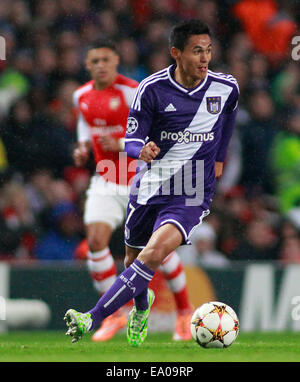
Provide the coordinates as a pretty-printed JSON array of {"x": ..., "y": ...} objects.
[{"x": 105, "y": 202}]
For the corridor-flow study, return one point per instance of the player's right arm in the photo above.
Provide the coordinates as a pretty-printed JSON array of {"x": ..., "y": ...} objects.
[
  {"x": 149, "y": 152},
  {"x": 139, "y": 124},
  {"x": 81, "y": 154},
  {"x": 227, "y": 129},
  {"x": 82, "y": 151}
]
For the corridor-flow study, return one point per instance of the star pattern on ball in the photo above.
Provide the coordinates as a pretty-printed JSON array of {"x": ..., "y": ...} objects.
[
  {"x": 219, "y": 309},
  {"x": 218, "y": 334}
]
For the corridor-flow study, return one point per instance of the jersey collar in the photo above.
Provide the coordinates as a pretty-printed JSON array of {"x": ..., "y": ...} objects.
[{"x": 189, "y": 91}]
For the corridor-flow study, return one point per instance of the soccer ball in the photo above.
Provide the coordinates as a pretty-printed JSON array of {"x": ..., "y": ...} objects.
[{"x": 214, "y": 325}]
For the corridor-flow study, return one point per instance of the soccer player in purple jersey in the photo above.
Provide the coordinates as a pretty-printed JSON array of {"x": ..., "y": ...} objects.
[{"x": 179, "y": 127}]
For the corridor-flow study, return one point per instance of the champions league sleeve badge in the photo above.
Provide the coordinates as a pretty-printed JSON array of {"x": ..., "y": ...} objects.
[
  {"x": 132, "y": 125},
  {"x": 213, "y": 104}
]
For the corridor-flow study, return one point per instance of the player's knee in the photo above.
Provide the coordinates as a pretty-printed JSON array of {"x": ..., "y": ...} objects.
[
  {"x": 96, "y": 243},
  {"x": 153, "y": 256},
  {"x": 98, "y": 236}
]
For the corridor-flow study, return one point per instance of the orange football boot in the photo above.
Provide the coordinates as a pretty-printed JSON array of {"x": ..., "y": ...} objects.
[
  {"x": 182, "y": 330},
  {"x": 110, "y": 326}
]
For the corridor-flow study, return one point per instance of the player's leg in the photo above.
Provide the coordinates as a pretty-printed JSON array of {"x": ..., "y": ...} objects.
[
  {"x": 103, "y": 272},
  {"x": 100, "y": 262},
  {"x": 158, "y": 248},
  {"x": 102, "y": 215},
  {"x": 186, "y": 218},
  {"x": 173, "y": 271},
  {"x": 135, "y": 279},
  {"x": 130, "y": 283},
  {"x": 99, "y": 228},
  {"x": 140, "y": 301},
  {"x": 137, "y": 328}
]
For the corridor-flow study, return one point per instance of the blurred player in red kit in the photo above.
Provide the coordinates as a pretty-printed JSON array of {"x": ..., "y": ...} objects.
[{"x": 103, "y": 105}]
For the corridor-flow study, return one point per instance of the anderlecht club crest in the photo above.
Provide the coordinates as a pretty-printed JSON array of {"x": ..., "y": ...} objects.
[{"x": 213, "y": 104}]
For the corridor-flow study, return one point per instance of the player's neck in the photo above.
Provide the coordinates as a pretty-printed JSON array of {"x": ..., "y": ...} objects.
[
  {"x": 186, "y": 80},
  {"x": 98, "y": 85}
]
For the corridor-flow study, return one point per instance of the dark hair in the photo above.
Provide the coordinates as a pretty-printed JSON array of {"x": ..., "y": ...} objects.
[
  {"x": 181, "y": 32},
  {"x": 103, "y": 43}
]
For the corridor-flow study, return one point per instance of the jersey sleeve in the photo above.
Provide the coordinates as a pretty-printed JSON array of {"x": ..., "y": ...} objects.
[
  {"x": 139, "y": 121},
  {"x": 229, "y": 117},
  {"x": 83, "y": 129},
  {"x": 128, "y": 91}
]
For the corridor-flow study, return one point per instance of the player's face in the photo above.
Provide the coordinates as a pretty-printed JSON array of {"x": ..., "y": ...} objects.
[
  {"x": 195, "y": 57},
  {"x": 102, "y": 64}
]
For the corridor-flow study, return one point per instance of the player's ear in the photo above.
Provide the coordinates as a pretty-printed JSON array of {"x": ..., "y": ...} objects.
[
  {"x": 175, "y": 53},
  {"x": 87, "y": 63},
  {"x": 117, "y": 59}
]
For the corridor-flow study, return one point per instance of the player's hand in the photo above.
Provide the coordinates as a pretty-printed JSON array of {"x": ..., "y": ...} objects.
[
  {"x": 81, "y": 155},
  {"x": 219, "y": 169},
  {"x": 149, "y": 152},
  {"x": 110, "y": 143}
]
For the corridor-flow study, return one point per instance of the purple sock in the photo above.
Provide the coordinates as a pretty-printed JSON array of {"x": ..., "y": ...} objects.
[
  {"x": 141, "y": 301},
  {"x": 129, "y": 284}
]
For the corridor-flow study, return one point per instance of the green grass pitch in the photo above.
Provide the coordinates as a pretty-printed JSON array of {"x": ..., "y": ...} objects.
[{"x": 54, "y": 346}]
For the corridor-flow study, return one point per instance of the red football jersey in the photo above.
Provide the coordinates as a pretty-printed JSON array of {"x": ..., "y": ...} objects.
[{"x": 105, "y": 112}]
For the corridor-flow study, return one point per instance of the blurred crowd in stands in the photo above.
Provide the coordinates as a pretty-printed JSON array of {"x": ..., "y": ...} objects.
[{"x": 255, "y": 214}]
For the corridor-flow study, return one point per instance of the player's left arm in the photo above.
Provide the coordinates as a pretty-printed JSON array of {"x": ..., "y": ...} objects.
[
  {"x": 139, "y": 124},
  {"x": 231, "y": 108}
]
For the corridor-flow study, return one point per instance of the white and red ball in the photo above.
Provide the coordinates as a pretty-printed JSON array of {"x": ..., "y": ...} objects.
[{"x": 214, "y": 325}]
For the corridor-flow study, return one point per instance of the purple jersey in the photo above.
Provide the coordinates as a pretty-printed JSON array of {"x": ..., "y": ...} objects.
[{"x": 192, "y": 127}]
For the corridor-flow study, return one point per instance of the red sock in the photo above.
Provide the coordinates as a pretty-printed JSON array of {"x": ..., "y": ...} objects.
[
  {"x": 102, "y": 269},
  {"x": 173, "y": 272}
]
